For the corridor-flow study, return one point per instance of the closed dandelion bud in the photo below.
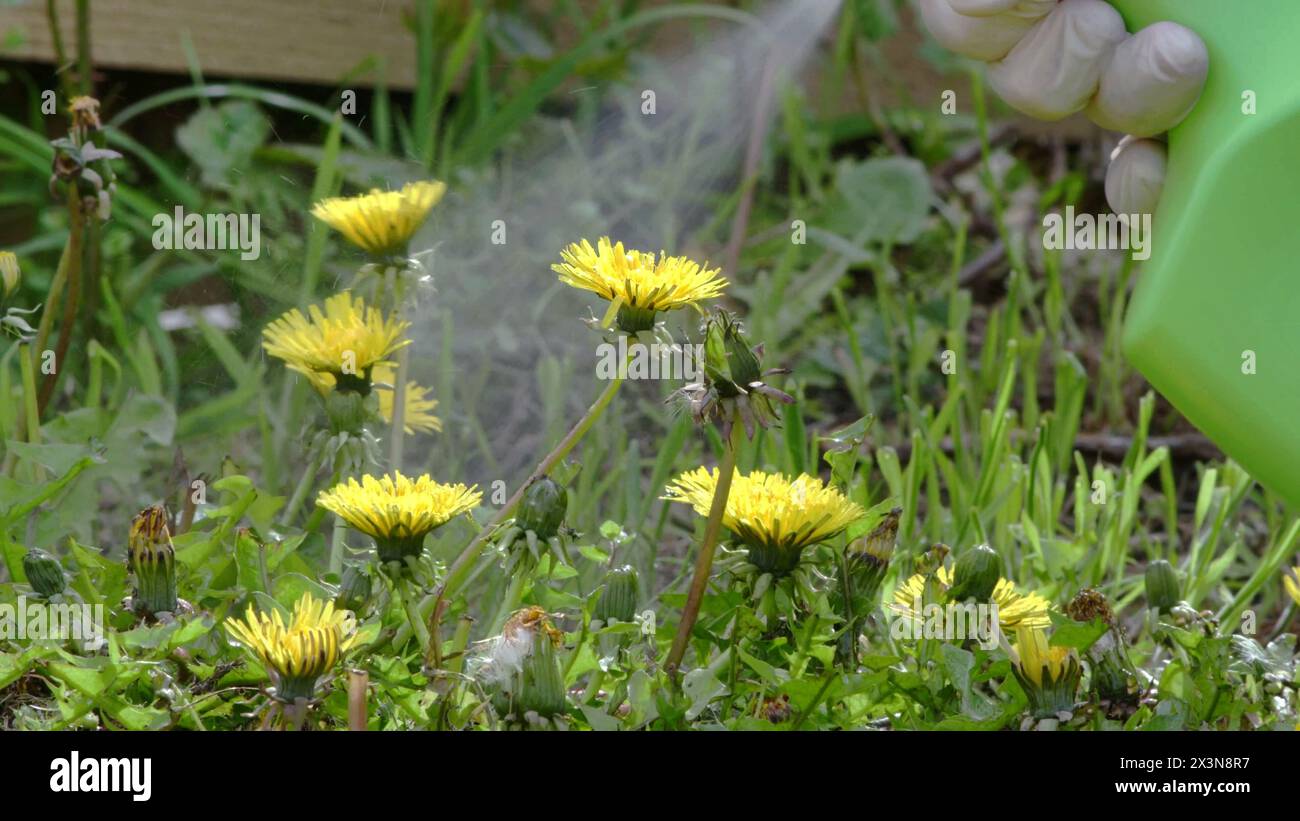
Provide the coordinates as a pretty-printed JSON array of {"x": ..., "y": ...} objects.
[
  {"x": 729, "y": 361},
  {"x": 10, "y": 276},
  {"x": 541, "y": 689},
  {"x": 1048, "y": 675},
  {"x": 354, "y": 589},
  {"x": 1110, "y": 675},
  {"x": 543, "y": 508},
  {"x": 618, "y": 600},
  {"x": 868, "y": 559},
  {"x": 44, "y": 573},
  {"x": 1162, "y": 585},
  {"x": 975, "y": 574},
  {"x": 153, "y": 561}
]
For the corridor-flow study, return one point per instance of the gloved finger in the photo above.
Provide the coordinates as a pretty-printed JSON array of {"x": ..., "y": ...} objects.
[
  {"x": 980, "y": 35},
  {"x": 1056, "y": 69},
  {"x": 1152, "y": 81},
  {"x": 1136, "y": 176}
]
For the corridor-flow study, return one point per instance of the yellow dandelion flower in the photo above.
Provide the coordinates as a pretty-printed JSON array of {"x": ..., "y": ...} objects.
[
  {"x": 1015, "y": 609},
  {"x": 1291, "y": 582},
  {"x": 419, "y": 406},
  {"x": 397, "y": 511},
  {"x": 346, "y": 340},
  {"x": 638, "y": 284},
  {"x": 381, "y": 222},
  {"x": 773, "y": 516},
  {"x": 1049, "y": 675},
  {"x": 298, "y": 654}
]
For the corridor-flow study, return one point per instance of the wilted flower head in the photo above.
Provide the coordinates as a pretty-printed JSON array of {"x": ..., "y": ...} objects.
[
  {"x": 501, "y": 657},
  {"x": 1089, "y": 605},
  {"x": 733, "y": 379},
  {"x": 346, "y": 340},
  {"x": 381, "y": 222},
  {"x": 396, "y": 511},
  {"x": 84, "y": 112},
  {"x": 152, "y": 559},
  {"x": 1015, "y": 609},
  {"x": 637, "y": 283},
  {"x": 1049, "y": 675},
  {"x": 298, "y": 654},
  {"x": 1291, "y": 581},
  {"x": 10, "y": 275},
  {"x": 771, "y": 515}
]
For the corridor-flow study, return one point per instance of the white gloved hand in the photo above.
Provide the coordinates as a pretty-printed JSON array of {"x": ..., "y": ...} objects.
[{"x": 1052, "y": 58}]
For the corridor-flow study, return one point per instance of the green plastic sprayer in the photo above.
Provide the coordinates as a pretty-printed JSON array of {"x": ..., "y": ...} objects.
[{"x": 1214, "y": 323}]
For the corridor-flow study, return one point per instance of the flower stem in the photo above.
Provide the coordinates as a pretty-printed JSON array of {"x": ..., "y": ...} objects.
[
  {"x": 464, "y": 562},
  {"x": 25, "y": 355},
  {"x": 399, "y": 412},
  {"x": 399, "y": 387},
  {"x": 338, "y": 539},
  {"x": 513, "y": 595},
  {"x": 300, "y": 492},
  {"x": 704, "y": 561},
  {"x": 410, "y": 608}
]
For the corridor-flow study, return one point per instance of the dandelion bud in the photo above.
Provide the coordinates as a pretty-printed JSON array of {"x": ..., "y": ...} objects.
[
  {"x": 618, "y": 601},
  {"x": 1162, "y": 585},
  {"x": 975, "y": 574},
  {"x": 541, "y": 690},
  {"x": 354, "y": 589},
  {"x": 1048, "y": 675},
  {"x": 733, "y": 379},
  {"x": 153, "y": 561},
  {"x": 866, "y": 560},
  {"x": 1110, "y": 671},
  {"x": 869, "y": 556},
  {"x": 10, "y": 276},
  {"x": 1291, "y": 582},
  {"x": 728, "y": 359},
  {"x": 543, "y": 507},
  {"x": 44, "y": 573}
]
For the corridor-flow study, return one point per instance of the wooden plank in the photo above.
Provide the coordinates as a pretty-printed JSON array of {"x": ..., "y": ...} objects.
[{"x": 315, "y": 41}]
